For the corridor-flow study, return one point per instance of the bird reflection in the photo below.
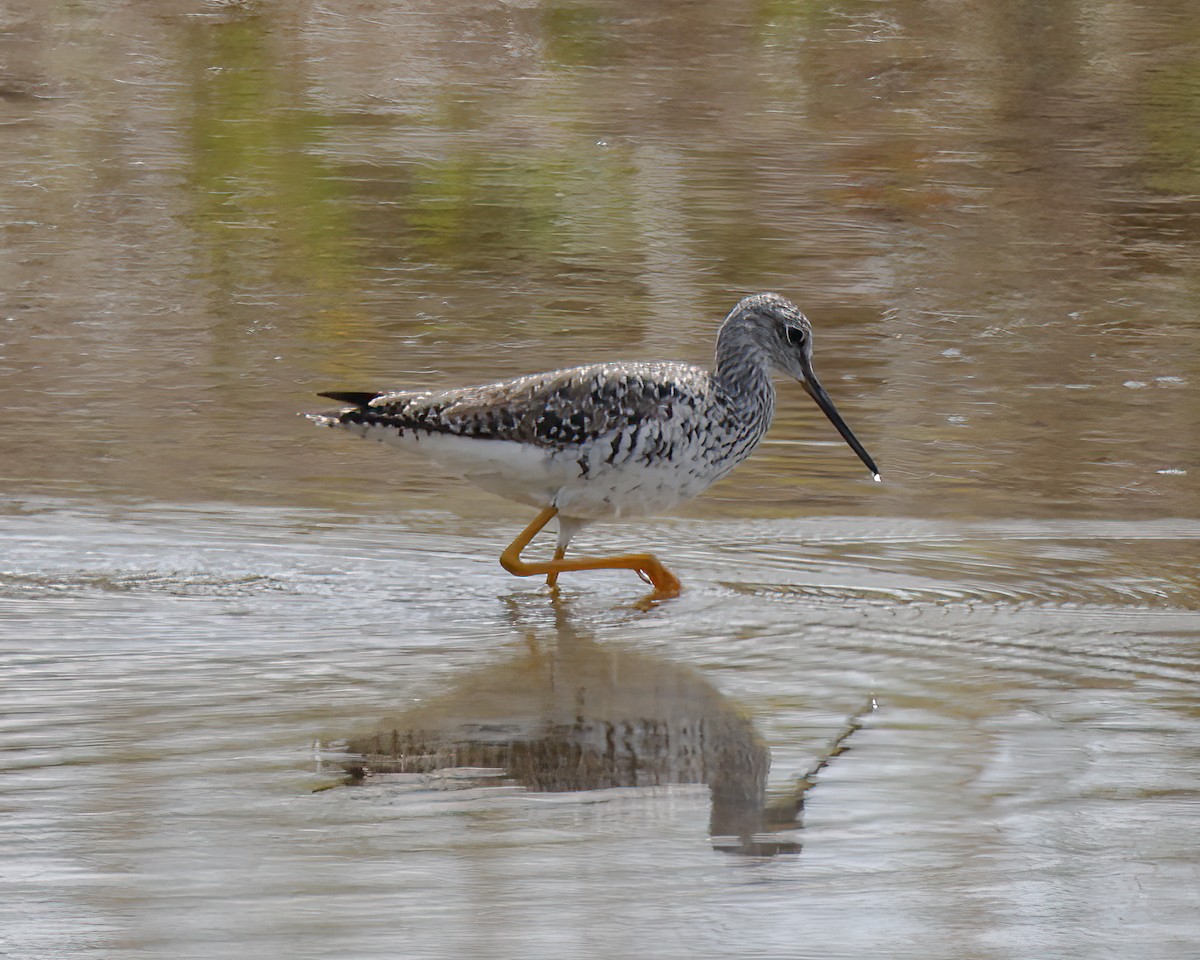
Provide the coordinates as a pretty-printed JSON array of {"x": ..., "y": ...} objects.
[{"x": 570, "y": 714}]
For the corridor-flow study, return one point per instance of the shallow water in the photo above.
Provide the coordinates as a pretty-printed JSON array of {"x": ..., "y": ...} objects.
[
  {"x": 1030, "y": 764},
  {"x": 211, "y": 211}
]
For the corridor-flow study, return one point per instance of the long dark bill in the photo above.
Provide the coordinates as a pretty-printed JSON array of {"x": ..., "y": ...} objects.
[{"x": 817, "y": 392}]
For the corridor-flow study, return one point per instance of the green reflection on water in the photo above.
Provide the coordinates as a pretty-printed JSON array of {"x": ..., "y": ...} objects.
[
  {"x": 1173, "y": 128},
  {"x": 266, "y": 204},
  {"x": 474, "y": 207},
  {"x": 579, "y": 35}
]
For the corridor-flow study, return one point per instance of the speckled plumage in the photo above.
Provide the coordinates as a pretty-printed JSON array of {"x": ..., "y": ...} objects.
[
  {"x": 609, "y": 439},
  {"x": 616, "y": 439}
]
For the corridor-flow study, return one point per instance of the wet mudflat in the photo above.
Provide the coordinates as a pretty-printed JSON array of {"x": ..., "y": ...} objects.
[{"x": 212, "y": 212}]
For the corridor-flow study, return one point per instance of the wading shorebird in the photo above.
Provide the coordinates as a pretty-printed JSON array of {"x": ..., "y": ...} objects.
[{"x": 606, "y": 440}]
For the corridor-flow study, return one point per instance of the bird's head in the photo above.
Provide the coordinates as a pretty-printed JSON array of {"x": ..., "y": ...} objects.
[{"x": 782, "y": 331}]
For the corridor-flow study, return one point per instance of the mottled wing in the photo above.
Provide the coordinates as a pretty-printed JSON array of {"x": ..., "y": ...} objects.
[{"x": 556, "y": 410}]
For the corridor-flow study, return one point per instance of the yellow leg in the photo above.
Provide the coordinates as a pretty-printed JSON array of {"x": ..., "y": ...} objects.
[
  {"x": 647, "y": 566},
  {"x": 552, "y": 576}
]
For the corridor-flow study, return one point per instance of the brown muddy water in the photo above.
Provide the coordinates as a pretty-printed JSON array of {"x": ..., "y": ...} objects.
[{"x": 955, "y": 715}]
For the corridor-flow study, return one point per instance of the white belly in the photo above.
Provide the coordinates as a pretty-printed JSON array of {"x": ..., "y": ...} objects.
[
  {"x": 628, "y": 490},
  {"x": 587, "y": 489}
]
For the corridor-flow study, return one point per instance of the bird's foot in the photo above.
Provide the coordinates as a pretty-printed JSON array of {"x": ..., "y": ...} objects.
[{"x": 647, "y": 566}]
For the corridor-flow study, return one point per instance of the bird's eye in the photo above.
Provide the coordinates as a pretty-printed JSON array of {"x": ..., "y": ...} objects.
[{"x": 795, "y": 336}]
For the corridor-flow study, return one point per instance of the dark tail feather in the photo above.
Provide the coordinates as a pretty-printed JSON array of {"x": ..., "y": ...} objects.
[{"x": 357, "y": 399}]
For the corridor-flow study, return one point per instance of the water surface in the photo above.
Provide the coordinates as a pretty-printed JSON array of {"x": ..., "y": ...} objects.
[{"x": 209, "y": 212}]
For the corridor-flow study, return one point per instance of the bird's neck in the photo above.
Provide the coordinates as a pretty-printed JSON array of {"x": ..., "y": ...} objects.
[{"x": 741, "y": 366}]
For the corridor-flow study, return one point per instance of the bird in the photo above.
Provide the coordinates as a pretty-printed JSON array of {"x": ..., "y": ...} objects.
[{"x": 606, "y": 440}]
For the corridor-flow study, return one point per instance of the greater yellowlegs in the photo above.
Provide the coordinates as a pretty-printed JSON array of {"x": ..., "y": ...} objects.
[{"x": 609, "y": 439}]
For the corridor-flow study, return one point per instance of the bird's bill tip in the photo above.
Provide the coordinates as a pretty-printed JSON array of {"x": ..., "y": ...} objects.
[{"x": 817, "y": 392}]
